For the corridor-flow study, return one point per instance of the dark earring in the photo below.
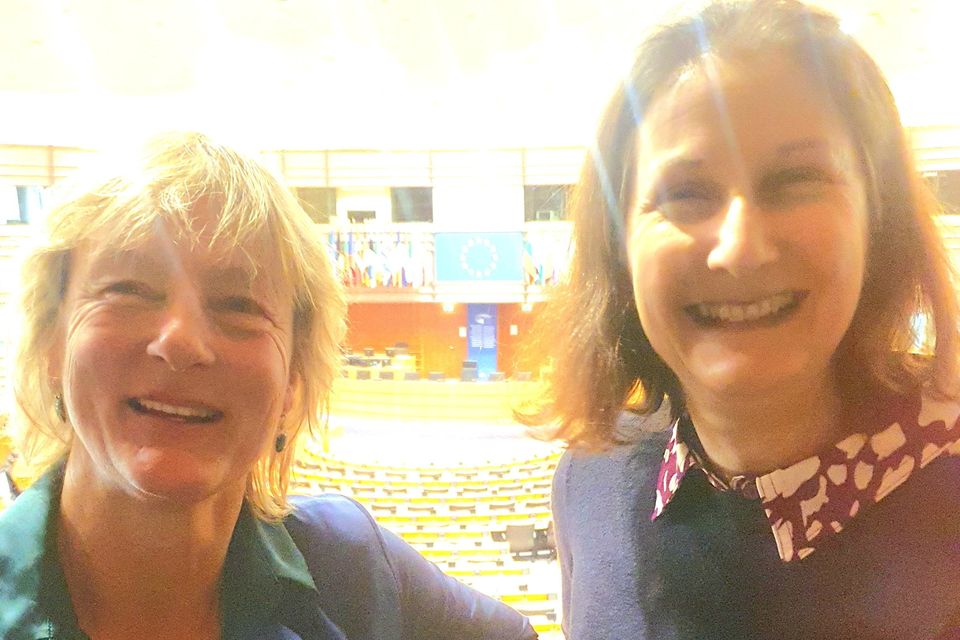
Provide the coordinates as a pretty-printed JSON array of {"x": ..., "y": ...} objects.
[
  {"x": 59, "y": 408},
  {"x": 280, "y": 442}
]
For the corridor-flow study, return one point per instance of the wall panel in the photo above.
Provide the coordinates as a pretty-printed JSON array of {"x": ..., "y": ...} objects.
[{"x": 432, "y": 334}]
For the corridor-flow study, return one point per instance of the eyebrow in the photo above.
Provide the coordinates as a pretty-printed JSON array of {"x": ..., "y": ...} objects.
[
  {"x": 142, "y": 262},
  {"x": 137, "y": 261},
  {"x": 678, "y": 164},
  {"x": 804, "y": 144},
  {"x": 229, "y": 276}
]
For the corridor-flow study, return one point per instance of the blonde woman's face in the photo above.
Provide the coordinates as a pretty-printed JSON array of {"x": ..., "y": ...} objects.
[
  {"x": 747, "y": 239},
  {"x": 175, "y": 366}
]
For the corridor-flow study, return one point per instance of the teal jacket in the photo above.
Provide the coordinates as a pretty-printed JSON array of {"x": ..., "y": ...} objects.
[{"x": 328, "y": 572}]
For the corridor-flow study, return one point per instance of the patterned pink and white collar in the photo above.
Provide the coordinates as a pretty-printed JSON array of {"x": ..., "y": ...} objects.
[{"x": 813, "y": 499}]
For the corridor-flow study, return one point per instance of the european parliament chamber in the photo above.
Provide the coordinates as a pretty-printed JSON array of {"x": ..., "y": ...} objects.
[{"x": 440, "y": 165}]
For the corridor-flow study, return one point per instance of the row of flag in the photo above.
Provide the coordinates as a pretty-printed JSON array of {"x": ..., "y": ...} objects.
[
  {"x": 371, "y": 259},
  {"x": 378, "y": 259}
]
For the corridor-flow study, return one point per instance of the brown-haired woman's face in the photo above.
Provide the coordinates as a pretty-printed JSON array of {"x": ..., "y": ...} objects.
[{"x": 747, "y": 237}]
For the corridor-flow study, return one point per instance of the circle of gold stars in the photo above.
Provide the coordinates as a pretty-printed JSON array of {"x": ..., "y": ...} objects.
[{"x": 465, "y": 252}]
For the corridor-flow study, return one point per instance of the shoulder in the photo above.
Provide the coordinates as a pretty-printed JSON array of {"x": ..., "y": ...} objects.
[
  {"x": 347, "y": 555},
  {"x": 333, "y": 522},
  {"x": 620, "y": 467},
  {"x": 602, "y": 500},
  {"x": 23, "y": 542},
  {"x": 609, "y": 487},
  {"x": 19, "y": 530},
  {"x": 24, "y": 525},
  {"x": 332, "y": 513},
  {"x": 333, "y": 528}
]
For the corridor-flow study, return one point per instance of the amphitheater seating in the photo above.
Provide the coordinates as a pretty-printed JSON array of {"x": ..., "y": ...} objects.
[{"x": 460, "y": 518}]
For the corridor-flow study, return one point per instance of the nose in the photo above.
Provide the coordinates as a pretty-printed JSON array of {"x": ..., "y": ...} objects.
[
  {"x": 743, "y": 242},
  {"x": 183, "y": 340}
]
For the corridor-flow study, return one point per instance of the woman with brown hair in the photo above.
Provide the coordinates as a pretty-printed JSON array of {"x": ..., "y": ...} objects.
[{"x": 752, "y": 246}]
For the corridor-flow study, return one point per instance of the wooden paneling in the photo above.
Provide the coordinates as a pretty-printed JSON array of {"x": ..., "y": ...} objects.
[
  {"x": 511, "y": 351},
  {"x": 432, "y": 334}
]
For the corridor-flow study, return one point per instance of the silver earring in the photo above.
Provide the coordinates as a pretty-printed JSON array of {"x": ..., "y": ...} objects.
[
  {"x": 280, "y": 442},
  {"x": 59, "y": 407}
]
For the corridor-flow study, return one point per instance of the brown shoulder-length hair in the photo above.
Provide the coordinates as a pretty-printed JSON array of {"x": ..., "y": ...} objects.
[{"x": 605, "y": 364}]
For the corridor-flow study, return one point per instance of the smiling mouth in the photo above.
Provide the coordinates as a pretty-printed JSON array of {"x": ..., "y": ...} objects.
[
  {"x": 174, "y": 412},
  {"x": 760, "y": 312}
]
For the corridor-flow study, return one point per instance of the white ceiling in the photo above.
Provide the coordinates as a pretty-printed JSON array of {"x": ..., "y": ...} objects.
[{"x": 379, "y": 73}]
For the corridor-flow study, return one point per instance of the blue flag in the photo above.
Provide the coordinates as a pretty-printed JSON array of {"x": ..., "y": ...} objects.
[{"x": 479, "y": 256}]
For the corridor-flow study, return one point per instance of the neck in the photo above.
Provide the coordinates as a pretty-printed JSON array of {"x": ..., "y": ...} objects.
[
  {"x": 758, "y": 433},
  {"x": 138, "y": 566}
]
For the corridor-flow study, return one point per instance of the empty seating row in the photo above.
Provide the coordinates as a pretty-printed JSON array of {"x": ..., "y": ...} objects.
[
  {"x": 406, "y": 480},
  {"x": 409, "y": 492},
  {"x": 424, "y": 520},
  {"x": 320, "y": 468},
  {"x": 458, "y": 518},
  {"x": 458, "y": 499},
  {"x": 529, "y": 465},
  {"x": 378, "y": 507}
]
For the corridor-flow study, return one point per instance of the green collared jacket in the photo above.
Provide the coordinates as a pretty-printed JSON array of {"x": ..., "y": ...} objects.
[{"x": 328, "y": 572}]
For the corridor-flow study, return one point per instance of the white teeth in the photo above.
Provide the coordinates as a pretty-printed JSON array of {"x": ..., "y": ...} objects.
[
  {"x": 184, "y": 412},
  {"x": 732, "y": 312}
]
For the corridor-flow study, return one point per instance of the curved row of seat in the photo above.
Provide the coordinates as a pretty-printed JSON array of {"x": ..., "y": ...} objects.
[
  {"x": 311, "y": 458},
  {"x": 458, "y": 517}
]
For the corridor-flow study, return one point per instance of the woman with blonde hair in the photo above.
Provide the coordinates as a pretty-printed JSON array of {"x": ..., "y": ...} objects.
[
  {"x": 753, "y": 245},
  {"x": 181, "y": 329}
]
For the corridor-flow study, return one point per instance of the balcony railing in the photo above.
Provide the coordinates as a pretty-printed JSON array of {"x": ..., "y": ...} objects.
[{"x": 397, "y": 261}]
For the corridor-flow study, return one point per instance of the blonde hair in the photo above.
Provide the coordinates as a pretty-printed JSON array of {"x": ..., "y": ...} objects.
[{"x": 170, "y": 175}]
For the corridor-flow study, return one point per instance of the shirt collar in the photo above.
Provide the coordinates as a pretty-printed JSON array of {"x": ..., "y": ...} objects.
[
  {"x": 808, "y": 502},
  {"x": 264, "y": 574},
  {"x": 37, "y": 605},
  {"x": 265, "y": 577}
]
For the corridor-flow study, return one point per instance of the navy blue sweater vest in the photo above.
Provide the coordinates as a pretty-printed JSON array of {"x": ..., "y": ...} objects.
[{"x": 708, "y": 566}]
